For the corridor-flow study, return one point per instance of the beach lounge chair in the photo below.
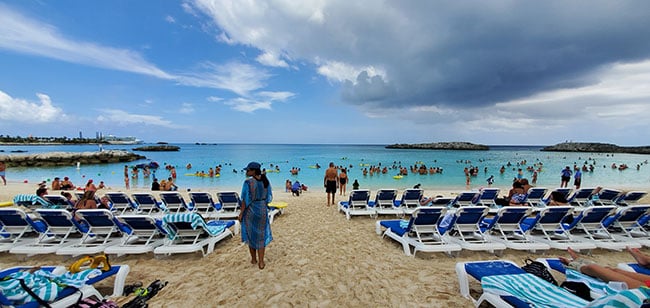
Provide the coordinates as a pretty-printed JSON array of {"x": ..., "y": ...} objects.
[
  {"x": 14, "y": 225},
  {"x": 410, "y": 200},
  {"x": 549, "y": 221},
  {"x": 581, "y": 197},
  {"x": 384, "y": 203},
  {"x": 539, "y": 291},
  {"x": 58, "y": 201},
  {"x": 504, "y": 284},
  {"x": 625, "y": 225},
  {"x": 507, "y": 225},
  {"x": 147, "y": 203},
  {"x": 230, "y": 204},
  {"x": 59, "y": 225},
  {"x": 174, "y": 202},
  {"x": 634, "y": 267},
  {"x": 80, "y": 285},
  {"x": 121, "y": 202},
  {"x": 146, "y": 234},
  {"x": 103, "y": 231},
  {"x": 357, "y": 204},
  {"x": 442, "y": 201},
  {"x": 203, "y": 204},
  {"x": 465, "y": 198},
  {"x": 487, "y": 197},
  {"x": 535, "y": 195},
  {"x": 421, "y": 231},
  {"x": 592, "y": 222},
  {"x": 606, "y": 196},
  {"x": 631, "y": 197},
  {"x": 564, "y": 191},
  {"x": 467, "y": 232},
  {"x": 188, "y": 233}
]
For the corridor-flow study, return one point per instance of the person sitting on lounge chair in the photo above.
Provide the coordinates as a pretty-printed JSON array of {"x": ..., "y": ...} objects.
[{"x": 606, "y": 273}]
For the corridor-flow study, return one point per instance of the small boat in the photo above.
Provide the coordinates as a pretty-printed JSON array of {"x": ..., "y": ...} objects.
[{"x": 121, "y": 140}]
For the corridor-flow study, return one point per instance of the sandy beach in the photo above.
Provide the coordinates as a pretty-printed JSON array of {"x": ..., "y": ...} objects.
[{"x": 317, "y": 259}]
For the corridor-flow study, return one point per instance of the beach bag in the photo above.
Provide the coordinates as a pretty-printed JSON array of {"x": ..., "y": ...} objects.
[
  {"x": 578, "y": 288},
  {"x": 538, "y": 269}
]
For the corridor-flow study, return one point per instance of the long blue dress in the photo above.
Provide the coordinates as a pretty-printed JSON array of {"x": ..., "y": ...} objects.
[{"x": 256, "y": 229}]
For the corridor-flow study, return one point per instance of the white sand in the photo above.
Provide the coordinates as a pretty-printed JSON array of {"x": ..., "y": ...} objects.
[{"x": 317, "y": 258}]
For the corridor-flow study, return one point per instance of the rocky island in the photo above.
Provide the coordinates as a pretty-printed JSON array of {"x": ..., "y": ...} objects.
[
  {"x": 69, "y": 158},
  {"x": 441, "y": 146},
  {"x": 158, "y": 148},
  {"x": 595, "y": 148}
]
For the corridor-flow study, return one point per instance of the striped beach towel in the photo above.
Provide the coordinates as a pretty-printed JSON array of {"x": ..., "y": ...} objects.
[
  {"x": 531, "y": 289},
  {"x": 30, "y": 199},
  {"x": 627, "y": 298},
  {"x": 195, "y": 220},
  {"x": 43, "y": 283}
]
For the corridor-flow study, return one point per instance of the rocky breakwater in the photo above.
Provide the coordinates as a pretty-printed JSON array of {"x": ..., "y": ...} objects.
[
  {"x": 69, "y": 158},
  {"x": 158, "y": 148},
  {"x": 595, "y": 148},
  {"x": 441, "y": 146}
]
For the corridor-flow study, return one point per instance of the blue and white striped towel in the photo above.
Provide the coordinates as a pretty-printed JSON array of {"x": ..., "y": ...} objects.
[
  {"x": 45, "y": 284},
  {"x": 195, "y": 220},
  {"x": 531, "y": 289}
]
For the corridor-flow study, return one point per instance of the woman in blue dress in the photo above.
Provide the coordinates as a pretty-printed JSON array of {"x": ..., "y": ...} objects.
[{"x": 255, "y": 227}]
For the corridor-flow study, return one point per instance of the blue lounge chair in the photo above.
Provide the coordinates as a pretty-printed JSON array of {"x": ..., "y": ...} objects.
[
  {"x": 203, "y": 204},
  {"x": 627, "y": 225},
  {"x": 634, "y": 267},
  {"x": 103, "y": 231},
  {"x": 592, "y": 222},
  {"x": 174, "y": 202},
  {"x": 467, "y": 232},
  {"x": 121, "y": 202},
  {"x": 488, "y": 196},
  {"x": 58, "y": 201},
  {"x": 14, "y": 225},
  {"x": 564, "y": 191},
  {"x": 146, "y": 234},
  {"x": 631, "y": 197},
  {"x": 147, "y": 203},
  {"x": 385, "y": 204},
  {"x": 535, "y": 196},
  {"x": 465, "y": 198},
  {"x": 230, "y": 204},
  {"x": 606, "y": 196},
  {"x": 410, "y": 200},
  {"x": 581, "y": 197},
  {"x": 59, "y": 226},
  {"x": 357, "y": 204},
  {"x": 556, "y": 234},
  {"x": 507, "y": 226},
  {"x": 189, "y": 232},
  {"x": 421, "y": 231}
]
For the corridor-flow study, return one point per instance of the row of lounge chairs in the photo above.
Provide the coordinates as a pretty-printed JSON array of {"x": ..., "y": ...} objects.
[
  {"x": 439, "y": 229},
  {"x": 46, "y": 231},
  {"x": 505, "y": 284},
  {"x": 386, "y": 203}
]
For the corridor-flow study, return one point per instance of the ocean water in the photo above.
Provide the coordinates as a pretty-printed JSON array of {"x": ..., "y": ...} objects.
[{"x": 234, "y": 157}]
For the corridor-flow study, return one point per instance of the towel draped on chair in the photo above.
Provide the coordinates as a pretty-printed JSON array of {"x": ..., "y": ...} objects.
[{"x": 43, "y": 283}]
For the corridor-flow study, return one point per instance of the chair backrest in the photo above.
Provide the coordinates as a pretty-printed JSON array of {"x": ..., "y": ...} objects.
[
  {"x": 592, "y": 217},
  {"x": 466, "y": 198},
  {"x": 174, "y": 202},
  {"x": 121, "y": 202},
  {"x": 608, "y": 196},
  {"x": 13, "y": 220},
  {"x": 628, "y": 216},
  {"x": 535, "y": 195},
  {"x": 411, "y": 197},
  {"x": 582, "y": 193},
  {"x": 56, "y": 218},
  {"x": 442, "y": 201},
  {"x": 631, "y": 197},
  {"x": 508, "y": 218},
  {"x": 142, "y": 224},
  {"x": 469, "y": 217},
  {"x": 425, "y": 219},
  {"x": 565, "y": 191},
  {"x": 553, "y": 215},
  {"x": 202, "y": 201},
  {"x": 229, "y": 200},
  {"x": 146, "y": 202},
  {"x": 489, "y": 194},
  {"x": 57, "y": 200},
  {"x": 386, "y": 198},
  {"x": 359, "y": 198},
  {"x": 100, "y": 221}
]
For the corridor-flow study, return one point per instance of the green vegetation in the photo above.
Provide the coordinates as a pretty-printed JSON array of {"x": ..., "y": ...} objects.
[{"x": 47, "y": 140}]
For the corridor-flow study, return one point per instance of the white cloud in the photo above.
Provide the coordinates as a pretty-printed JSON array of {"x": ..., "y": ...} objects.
[
  {"x": 23, "y": 111},
  {"x": 248, "y": 105},
  {"x": 121, "y": 117},
  {"x": 186, "y": 108},
  {"x": 170, "y": 19},
  {"x": 237, "y": 77},
  {"x": 214, "y": 99},
  {"x": 25, "y": 35},
  {"x": 276, "y": 96},
  {"x": 339, "y": 71},
  {"x": 271, "y": 59}
]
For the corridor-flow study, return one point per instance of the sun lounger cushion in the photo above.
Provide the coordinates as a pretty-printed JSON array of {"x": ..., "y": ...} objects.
[{"x": 44, "y": 283}]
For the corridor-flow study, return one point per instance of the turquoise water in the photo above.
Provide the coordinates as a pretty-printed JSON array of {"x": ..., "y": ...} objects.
[{"x": 236, "y": 156}]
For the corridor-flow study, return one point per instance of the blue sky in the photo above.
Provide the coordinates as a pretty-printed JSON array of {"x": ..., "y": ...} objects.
[{"x": 365, "y": 72}]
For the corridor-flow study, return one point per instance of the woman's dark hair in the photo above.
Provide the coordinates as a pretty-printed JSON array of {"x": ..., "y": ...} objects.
[
  {"x": 66, "y": 194},
  {"x": 263, "y": 177},
  {"x": 558, "y": 197}
]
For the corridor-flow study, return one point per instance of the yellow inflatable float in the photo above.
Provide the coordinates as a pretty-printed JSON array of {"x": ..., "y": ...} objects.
[
  {"x": 6, "y": 203},
  {"x": 279, "y": 204},
  {"x": 398, "y": 177}
]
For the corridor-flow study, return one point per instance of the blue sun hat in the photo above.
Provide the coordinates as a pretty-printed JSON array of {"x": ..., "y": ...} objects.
[{"x": 253, "y": 165}]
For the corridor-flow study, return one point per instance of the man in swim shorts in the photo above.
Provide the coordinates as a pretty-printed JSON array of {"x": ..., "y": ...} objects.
[{"x": 331, "y": 182}]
